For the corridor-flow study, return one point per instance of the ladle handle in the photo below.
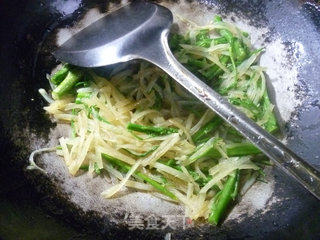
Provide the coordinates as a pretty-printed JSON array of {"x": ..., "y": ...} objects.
[{"x": 288, "y": 161}]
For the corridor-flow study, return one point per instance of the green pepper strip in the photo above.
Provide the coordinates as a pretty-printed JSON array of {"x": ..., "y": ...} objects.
[
  {"x": 142, "y": 154},
  {"x": 73, "y": 130},
  {"x": 271, "y": 124},
  {"x": 215, "y": 70},
  {"x": 85, "y": 167},
  {"x": 95, "y": 113},
  {"x": 175, "y": 40},
  {"x": 96, "y": 168},
  {"x": 239, "y": 50},
  {"x": 208, "y": 128},
  {"x": 220, "y": 40},
  {"x": 232, "y": 150},
  {"x": 203, "y": 38},
  {"x": 241, "y": 149},
  {"x": 232, "y": 57},
  {"x": 247, "y": 103},
  {"x": 81, "y": 96},
  {"x": 225, "y": 197},
  {"x": 217, "y": 18},
  {"x": 154, "y": 131},
  {"x": 58, "y": 77},
  {"x": 74, "y": 75},
  {"x": 126, "y": 168},
  {"x": 227, "y": 35}
]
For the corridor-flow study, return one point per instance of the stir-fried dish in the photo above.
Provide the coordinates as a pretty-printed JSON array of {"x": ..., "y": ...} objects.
[{"x": 144, "y": 131}]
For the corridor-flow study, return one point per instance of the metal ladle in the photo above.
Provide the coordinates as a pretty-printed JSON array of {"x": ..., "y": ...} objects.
[{"x": 140, "y": 31}]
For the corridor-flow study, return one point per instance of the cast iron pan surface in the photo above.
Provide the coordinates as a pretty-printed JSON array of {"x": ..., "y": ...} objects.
[{"x": 27, "y": 30}]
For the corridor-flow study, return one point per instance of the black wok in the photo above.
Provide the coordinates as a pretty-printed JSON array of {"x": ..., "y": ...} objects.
[{"x": 28, "y": 34}]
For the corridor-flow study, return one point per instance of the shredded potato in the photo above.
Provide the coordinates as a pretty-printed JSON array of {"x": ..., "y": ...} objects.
[{"x": 145, "y": 132}]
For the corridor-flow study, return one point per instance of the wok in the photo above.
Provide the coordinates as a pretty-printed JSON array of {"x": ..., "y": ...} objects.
[{"x": 279, "y": 209}]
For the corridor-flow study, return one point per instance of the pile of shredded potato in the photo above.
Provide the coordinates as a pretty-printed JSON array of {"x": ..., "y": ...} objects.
[
  {"x": 169, "y": 163},
  {"x": 94, "y": 137}
]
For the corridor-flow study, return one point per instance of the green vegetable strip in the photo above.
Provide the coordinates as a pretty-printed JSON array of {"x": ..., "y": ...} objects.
[
  {"x": 196, "y": 63},
  {"x": 234, "y": 194},
  {"x": 85, "y": 167},
  {"x": 222, "y": 201},
  {"x": 96, "y": 168},
  {"x": 215, "y": 70},
  {"x": 241, "y": 149},
  {"x": 95, "y": 113},
  {"x": 207, "y": 149},
  {"x": 262, "y": 160},
  {"x": 81, "y": 96},
  {"x": 232, "y": 57},
  {"x": 154, "y": 131},
  {"x": 232, "y": 150},
  {"x": 217, "y": 18},
  {"x": 227, "y": 35},
  {"x": 200, "y": 180},
  {"x": 142, "y": 154},
  {"x": 245, "y": 34},
  {"x": 74, "y": 75},
  {"x": 175, "y": 40},
  {"x": 126, "y": 168},
  {"x": 58, "y": 77},
  {"x": 239, "y": 50},
  {"x": 203, "y": 38},
  {"x": 271, "y": 125},
  {"x": 220, "y": 40},
  {"x": 208, "y": 128},
  {"x": 246, "y": 103},
  {"x": 169, "y": 162},
  {"x": 73, "y": 130}
]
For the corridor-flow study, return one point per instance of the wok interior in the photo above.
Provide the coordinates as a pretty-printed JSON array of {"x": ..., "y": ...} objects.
[{"x": 83, "y": 193}]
